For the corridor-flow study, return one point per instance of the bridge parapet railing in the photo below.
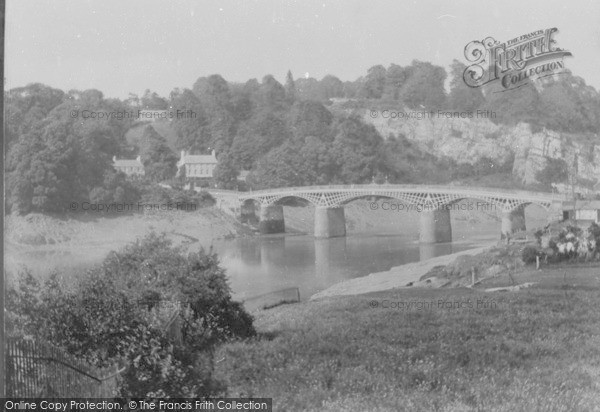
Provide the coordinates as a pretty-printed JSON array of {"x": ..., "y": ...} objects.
[{"x": 485, "y": 191}]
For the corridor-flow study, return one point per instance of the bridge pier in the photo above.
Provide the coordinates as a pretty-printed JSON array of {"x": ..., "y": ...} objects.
[
  {"x": 248, "y": 213},
  {"x": 513, "y": 221},
  {"x": 271, "y": 219},
  {"x": 329, "y": 222},
  {"x": 555, "y": 213},
  {"x": 435, "y": 226}
]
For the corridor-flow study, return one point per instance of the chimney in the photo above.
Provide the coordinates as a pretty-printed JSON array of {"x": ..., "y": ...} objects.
[
  {"x": 182, "y": 154},
  {"x": 213, "y": 154},
  {"x": 139, "y": 158},
  {"x": 114, "y": 158}
]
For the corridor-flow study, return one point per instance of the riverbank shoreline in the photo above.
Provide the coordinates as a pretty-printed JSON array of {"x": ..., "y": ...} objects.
[{"x": 396, "y": 277}]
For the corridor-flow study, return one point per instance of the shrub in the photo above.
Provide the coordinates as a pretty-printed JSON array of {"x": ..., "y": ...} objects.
[
  {"x": 111, "y": 314},
  {"x": 538, "y": 236},
  {"x": 529, "y": 254}
]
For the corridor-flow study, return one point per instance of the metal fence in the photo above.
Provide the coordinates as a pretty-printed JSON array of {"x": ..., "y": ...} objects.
[{"x": 36, "y": 369}]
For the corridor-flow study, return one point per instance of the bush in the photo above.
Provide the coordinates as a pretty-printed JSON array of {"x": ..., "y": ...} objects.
[
  {"x": 529, "y": 254},
  {"x": 158, "y": 195},
  {"x": 116, "y": 312}
]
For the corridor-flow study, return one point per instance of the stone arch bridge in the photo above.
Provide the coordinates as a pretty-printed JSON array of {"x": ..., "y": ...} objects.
[{"x": 433, "y": 203}]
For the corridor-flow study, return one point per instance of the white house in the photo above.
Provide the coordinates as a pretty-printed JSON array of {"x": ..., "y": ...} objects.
[
  {"x": 131, "y": 167},
  {"x": 197, "y": 166}
]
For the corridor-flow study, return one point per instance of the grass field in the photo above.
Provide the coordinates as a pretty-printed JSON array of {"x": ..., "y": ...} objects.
[{"x": 533, "y": 350}]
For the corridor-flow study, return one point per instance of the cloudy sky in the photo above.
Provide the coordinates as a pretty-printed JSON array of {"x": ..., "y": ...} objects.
[{"x": 120, "y": 47}]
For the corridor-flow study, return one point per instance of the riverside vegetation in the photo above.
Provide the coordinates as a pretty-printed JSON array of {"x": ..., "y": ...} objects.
[{"x": 119, "y": 312}]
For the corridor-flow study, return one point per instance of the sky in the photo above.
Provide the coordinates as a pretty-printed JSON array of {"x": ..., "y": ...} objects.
[{"x": 122, "y": 47}]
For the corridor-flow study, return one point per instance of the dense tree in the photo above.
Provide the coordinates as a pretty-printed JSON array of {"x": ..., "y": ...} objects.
[
  {"x": 374, "y": 83},
  {"x": 114, "y": 189},
  {"x": 243, "y": 100},
  {"x": 394, "y": 80},
  {"x": 424, "y": 86},
  {"x": 356, "y": 149},
  {"x": 272, "y": 94},
  {"x": 566, "y": 105},
  {"x": 555, "y": 171},
  {"x": 290, "y": 88},
  {"x": 308, "y": 88},
  {"x": 280, "y": 167},
  {"x": 310, "y": 118},
  {"x": 215, "y": 97},
  {"x": 462, "y": 97},
  {"x": 317, "y": 161},
  {"x": 514, "y": 106},
  {"x": 159, "y": 160},
  {"x": 26, "y": 106},
  {"x": 330, "y": 86},
  {"x": 263, "y": 132},
  {"x": 151, "y": 100},
  {"x": 227, "y": 171},
  {"x": 42, "y": 169},
  {"x": 193, "y": 133}
]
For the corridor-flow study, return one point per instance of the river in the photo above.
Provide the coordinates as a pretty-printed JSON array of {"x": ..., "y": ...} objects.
[{"x": 271, "y": 263}]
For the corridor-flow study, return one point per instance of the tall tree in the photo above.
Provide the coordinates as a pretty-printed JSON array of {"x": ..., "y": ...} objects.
[
  {"x": 395, "y": 77},
  {"x": 356, "y": 150},
  {"x": 215, "y": 96},
  {"x": 462, "y": 97},
  {"x": 310, "y": 118},
  {"x": 374, "y": 83},
  {"x": 290, "y": 88},
  {"x": 193, "y": 133},
  {"x": 424, "y": 86},
  {"x": 331, "y": 86},
  {"x": 272, "y": 94},
  {"x": 151, "y": 100},
  {"x": 159, "y": 160}
]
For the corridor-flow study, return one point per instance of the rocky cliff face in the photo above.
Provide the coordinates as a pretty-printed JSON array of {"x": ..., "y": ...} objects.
[{"x": 468, "y": 140}]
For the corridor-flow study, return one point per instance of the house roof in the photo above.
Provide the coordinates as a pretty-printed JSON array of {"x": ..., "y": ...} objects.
[
  {"x": 191, "y": 159},
  {"x": 128, "y": 163}
]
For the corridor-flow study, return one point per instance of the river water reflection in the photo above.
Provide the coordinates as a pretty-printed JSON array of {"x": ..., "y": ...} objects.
[{"x": 270, "y": 263}]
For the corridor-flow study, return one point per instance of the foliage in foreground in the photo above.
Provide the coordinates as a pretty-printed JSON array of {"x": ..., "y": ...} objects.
[
  {"x": 571, "y": 243},
  {"x": 121, "y": 312}
]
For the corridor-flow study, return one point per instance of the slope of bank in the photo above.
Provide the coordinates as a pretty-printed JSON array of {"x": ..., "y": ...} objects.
[
  {"x": 536, "y": 349},
  {"x": 43, "y": 243},
  {"x": 396, "y": 277}
]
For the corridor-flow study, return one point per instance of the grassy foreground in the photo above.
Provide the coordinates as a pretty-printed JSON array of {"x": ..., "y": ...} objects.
[{"x": 536, "y": 349}]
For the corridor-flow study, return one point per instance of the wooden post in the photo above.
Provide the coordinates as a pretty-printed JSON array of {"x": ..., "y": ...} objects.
[
  {"x": 472, "y": 276},
  {"x": 537, "y": 263}
]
